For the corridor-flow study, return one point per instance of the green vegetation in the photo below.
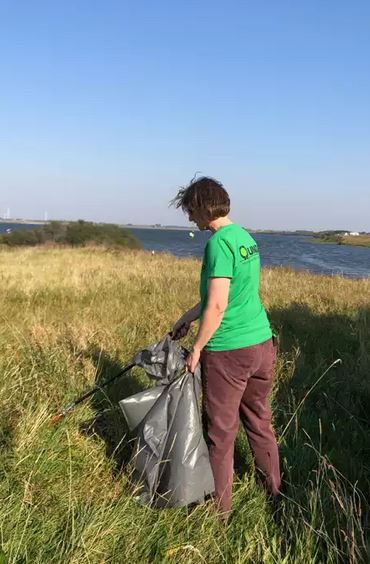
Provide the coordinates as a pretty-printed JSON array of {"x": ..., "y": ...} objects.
[
  {"x": 74, "y": 316},
  {"x": 79, "y": 233},
  {"x": 339, "y": 238},
  {"x": 329, "y": 238}
]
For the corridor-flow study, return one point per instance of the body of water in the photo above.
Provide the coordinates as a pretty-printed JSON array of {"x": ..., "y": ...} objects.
[
  {"x": 7, "y": 227},
  {"x": 296, "y": 251}
]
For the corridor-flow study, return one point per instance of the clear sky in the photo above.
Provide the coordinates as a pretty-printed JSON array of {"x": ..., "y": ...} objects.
[{"x": 106, "y": 108}]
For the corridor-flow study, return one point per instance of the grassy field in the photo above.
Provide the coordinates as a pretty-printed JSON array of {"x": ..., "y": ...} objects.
[{"x": 70, "y": 317}]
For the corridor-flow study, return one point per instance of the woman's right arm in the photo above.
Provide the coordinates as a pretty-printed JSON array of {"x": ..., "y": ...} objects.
[
  {"x": 182, "y": 326},
  {"x": 193, "y": 313}
]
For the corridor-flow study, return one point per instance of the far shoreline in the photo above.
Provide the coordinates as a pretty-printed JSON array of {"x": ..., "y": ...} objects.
[
  {"x": 315, "y": 237},
  {"x": 154, "y": 227}
]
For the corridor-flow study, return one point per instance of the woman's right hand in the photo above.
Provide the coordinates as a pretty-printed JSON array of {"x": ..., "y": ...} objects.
[{"x": 181, "y": 328}]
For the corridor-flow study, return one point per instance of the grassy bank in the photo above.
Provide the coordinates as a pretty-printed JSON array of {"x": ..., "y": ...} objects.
[
  {"x": 73, "y": 316},
  {"x": 357, "y": 241}
]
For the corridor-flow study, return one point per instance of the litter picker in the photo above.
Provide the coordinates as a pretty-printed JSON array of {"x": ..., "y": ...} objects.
[{"x": 69, "y": 407}]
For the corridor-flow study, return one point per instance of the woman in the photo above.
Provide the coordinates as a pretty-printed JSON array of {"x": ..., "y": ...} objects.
[{"x": 234, "y": 341}]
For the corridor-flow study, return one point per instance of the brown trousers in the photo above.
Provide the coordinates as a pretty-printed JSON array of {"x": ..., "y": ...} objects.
[{"x": 237, "y": 383}]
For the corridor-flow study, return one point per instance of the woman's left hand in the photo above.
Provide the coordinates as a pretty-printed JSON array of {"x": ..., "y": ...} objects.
[{"x": 193, "y": 359}]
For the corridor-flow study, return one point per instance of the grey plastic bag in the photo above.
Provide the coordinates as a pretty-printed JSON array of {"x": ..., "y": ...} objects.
[{"x": 170, "y": 455}]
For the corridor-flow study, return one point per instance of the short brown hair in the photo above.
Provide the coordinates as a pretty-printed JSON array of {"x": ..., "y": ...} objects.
[{"x": 205, "y": 196}]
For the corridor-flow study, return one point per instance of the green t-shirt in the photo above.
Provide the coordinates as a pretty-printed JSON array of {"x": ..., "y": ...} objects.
[{"x": 232, "y": 253}]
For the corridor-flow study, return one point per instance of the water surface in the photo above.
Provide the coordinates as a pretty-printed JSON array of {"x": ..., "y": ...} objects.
[{"x": 296, "y": 251}]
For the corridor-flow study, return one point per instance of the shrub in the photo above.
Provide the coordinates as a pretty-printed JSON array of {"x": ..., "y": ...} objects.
[{"x": 79, "y": 233}]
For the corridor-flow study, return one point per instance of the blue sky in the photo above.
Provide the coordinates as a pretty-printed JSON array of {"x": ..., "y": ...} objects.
[{"x": 106, "y": 108}]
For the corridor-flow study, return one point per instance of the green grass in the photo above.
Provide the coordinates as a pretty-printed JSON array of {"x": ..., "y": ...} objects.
[{"x": 70, "y": 317}]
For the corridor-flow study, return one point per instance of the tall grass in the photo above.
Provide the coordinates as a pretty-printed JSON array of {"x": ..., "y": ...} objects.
[{"x": 70, "y": 317}]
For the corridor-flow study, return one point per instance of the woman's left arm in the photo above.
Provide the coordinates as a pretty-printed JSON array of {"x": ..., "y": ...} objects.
[{"x": 217, "y": 300}]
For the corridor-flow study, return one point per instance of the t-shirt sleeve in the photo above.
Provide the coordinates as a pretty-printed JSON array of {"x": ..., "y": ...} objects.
[{"x": 220, "y": 259}]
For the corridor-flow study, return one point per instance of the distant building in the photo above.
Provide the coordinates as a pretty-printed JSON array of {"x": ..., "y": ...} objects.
[{"x": 354, "y": 233}]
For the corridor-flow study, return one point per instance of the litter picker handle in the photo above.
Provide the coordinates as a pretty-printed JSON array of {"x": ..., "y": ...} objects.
[{"x": 70, "y": 406}]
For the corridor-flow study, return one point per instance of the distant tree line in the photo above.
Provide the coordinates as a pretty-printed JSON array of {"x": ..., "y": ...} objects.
[{"x": 77, "y": 234}]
